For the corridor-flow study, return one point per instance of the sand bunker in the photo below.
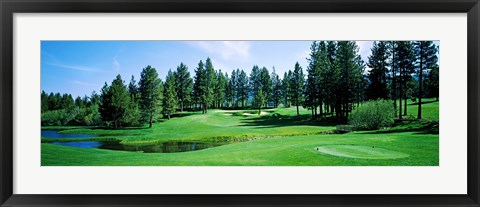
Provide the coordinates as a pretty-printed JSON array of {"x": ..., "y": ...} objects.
[{"x": 256, "y": 114}]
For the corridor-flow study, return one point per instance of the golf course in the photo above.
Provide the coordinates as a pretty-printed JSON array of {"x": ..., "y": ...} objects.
[
  {"x": 215, "y": 103},
  {"x": 276, "y": 137}
]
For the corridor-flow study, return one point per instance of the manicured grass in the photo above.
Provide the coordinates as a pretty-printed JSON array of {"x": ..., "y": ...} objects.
[
  {"x": 283, "y": 151},
  {"x": 278, "y": 138},
  {"x": 215, "y": 125},
  {"x": 429, "y": 109}
]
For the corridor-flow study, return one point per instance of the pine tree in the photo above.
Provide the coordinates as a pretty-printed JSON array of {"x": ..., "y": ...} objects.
[
  {"x": 392, "y": 49},
  {"x": 220, "y": 88},
  {"x": 433, "y": 82},
  {"x": 184, "y": 85},
  {"x": 254, "y": 82},
  {"x": 426, "y": 55},
  {"x": 265, "y": 84},
  {"x": 242, "y": 87},
  {"x": 378, "y": 64},
  {"x": 286, "y": 87},
  {"x": 405, "y": 59},
  {"x": 260, "y": 99},
  {"x": 276, "y": 83},
  {"x": 44, "y": 101},
  {"x": 133, "y": 89},
  {"x": 200, "y": 86},
  {"x": 79, "y": 102},
  {"x": 297, "y": 86},
  {"x": 312, "y": 87},
  {"x": 331, "y": 76},
  {"x": 114, "y": 102},
  {"x": 350, "y": 67},
  {"x": 133, "y": 114},
  {"x": 150, "y": 87},
  {"x": 169, "y": 95},
  {"x": 232, "y": 89},
  {"x": 211, "y": 82}
]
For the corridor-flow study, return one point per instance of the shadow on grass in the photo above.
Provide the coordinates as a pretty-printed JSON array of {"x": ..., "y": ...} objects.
[
  {"x": 278, "y": 120},
  {"x": 183, "y": 114},
  {"x": 423, "y": 102},
  {"x": 418, "y": 127}
]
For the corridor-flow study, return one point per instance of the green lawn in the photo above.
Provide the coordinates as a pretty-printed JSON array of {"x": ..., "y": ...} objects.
[
  {"x": 281, "y": 139},
  {"x": 422, "y": 150}
]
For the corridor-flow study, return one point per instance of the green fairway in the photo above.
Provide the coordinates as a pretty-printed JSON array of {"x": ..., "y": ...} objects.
[
  {"x": 277, "y": 137},
  {"x": 215, "y": 125}
]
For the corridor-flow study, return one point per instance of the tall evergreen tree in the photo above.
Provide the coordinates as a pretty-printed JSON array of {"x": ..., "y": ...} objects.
[
  {"x": 331, "y": 77},
  {"x": 286, "y": 87},
  {"x": 133, "y": 114},
  {"x": 184, "y": 85},
  {"x": 44, "y": 101},
  {"x": 200, "y": 86},
  {"x": 265, "y": 84},
  {"x": 232, "y": 88},
  {"x": 150, "y": 87},
  {"x": 169, "y": 95},
  {"x": 426, "y": 54},
  {"x": 297, "y": 86},
  {"x": 114, "y": 102},
  {"x": 433, "y": 82},
  {"x": 276, "y": 83},
  {"x": 211, "y": 82},
  {"x": 378, "y": 64},
  {"x": 392, "y": 50},
  {"x": 220, "y": 88},
  {"x": 242, "y": 87},
  {"x": 313, "y": 83},
  {"x": 260, "y": 99},
  {"x": 79, "y": 102},
  {"x": 348, "y": 62},
  {"x": 254, "y": 82},
  {"x": 405, "y": 59},
  {"x": 133, "y": 89}
]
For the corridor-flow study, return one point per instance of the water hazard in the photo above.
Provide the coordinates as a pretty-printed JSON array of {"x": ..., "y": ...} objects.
[{"x": 164, "y": 147}]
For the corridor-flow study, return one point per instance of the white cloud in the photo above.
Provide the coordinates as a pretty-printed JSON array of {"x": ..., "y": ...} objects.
[
  {"x": 75, "y": 67},
  {"x": 365, "y": 49},
  {"x": 116, "y": 64},
  {"x": 219, "y": 65},
  {"x": 227, "y": 50}
]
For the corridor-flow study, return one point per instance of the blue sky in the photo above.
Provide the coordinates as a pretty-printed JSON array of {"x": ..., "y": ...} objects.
[{"x": 80, "y": 67}]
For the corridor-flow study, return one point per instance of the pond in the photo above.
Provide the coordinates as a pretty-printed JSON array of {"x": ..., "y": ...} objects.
[
  {"x": 165, "y": 147},
  {"x": 57, "y": 134}
]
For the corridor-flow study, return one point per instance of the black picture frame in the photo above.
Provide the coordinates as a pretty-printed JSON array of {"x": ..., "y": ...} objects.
[{"x": 9, "y": 7}]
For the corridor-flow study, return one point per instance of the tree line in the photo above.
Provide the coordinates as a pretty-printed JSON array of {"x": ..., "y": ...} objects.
[{"x": 336, "y": 81}]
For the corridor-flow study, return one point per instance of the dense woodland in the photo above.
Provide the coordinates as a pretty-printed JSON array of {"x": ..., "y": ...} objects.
[{"x": 335, "y": 82}]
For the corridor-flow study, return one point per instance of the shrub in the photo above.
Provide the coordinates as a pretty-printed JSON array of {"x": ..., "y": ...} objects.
[{"x": 373, "y": 115}]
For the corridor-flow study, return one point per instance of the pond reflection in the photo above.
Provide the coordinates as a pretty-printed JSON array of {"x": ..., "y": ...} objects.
[
  {"x": 80, "y": 144},
  {"x": 165, "y": 147},
  {"x": 57, "y": 134}
]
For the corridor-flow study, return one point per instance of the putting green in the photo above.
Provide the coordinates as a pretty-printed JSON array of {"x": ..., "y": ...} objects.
[{"x": 362, "y": 152}]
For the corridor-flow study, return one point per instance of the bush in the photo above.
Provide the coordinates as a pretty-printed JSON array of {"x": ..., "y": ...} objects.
[{"x": 373, "y": 115}]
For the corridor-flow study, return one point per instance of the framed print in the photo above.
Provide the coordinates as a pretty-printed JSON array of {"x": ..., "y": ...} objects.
[{"x": 196, "y": 103}]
